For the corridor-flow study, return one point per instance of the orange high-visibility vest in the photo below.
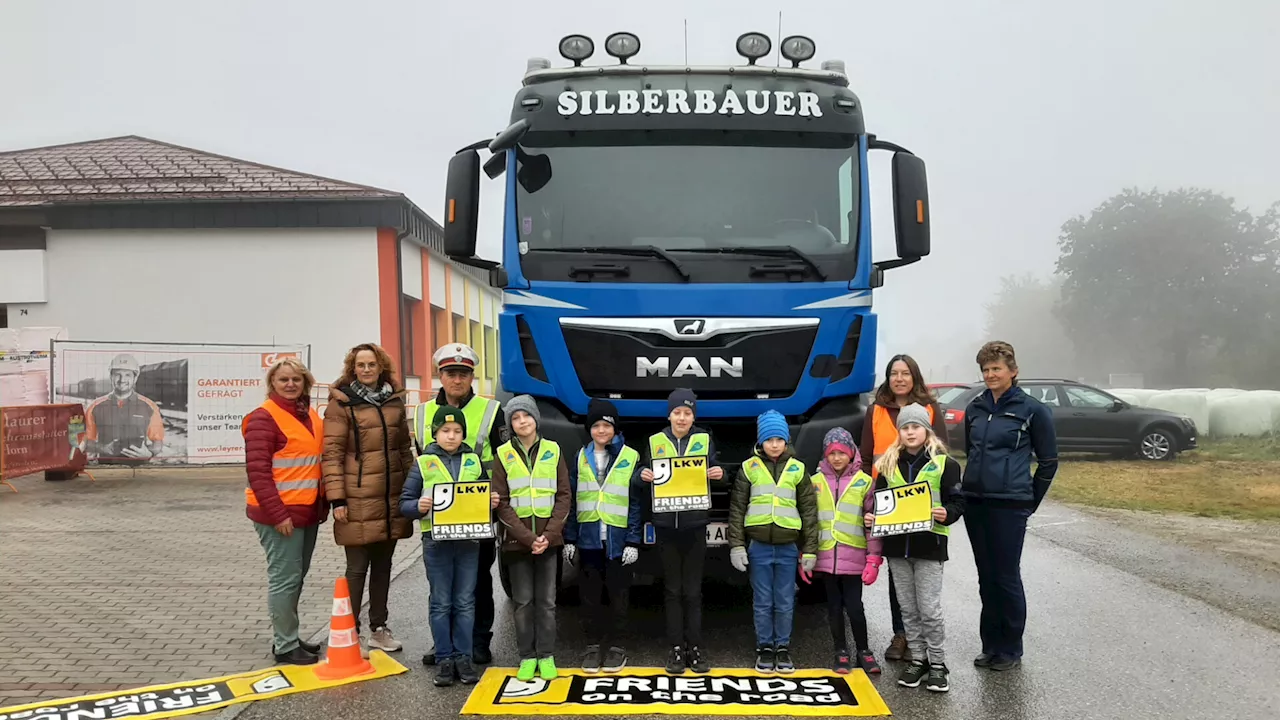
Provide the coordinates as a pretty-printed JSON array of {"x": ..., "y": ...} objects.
[
  {"x": 296, "y": 467},
  {"x": 884, "y": 433}
]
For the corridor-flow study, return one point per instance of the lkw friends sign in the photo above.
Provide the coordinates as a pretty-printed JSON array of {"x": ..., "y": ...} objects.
[{"x": 678, "y": 101}]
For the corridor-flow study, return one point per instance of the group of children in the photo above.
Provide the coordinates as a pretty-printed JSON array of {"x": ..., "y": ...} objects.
[{"x": 786, "y": 520}]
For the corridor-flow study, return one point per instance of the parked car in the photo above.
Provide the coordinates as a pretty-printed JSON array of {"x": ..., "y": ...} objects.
[{"x": 1087, "y": 419}]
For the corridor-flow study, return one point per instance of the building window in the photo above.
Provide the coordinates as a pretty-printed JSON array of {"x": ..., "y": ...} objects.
[
  {"x": 439, "y": 327},
  {"x": 4, "y": 316},
  {"x": 490, "y": 353},
  {"x": 408, "y": 334}
]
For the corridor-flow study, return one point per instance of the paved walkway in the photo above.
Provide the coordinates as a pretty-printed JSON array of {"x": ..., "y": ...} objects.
[{"x": 137, "y": 579}]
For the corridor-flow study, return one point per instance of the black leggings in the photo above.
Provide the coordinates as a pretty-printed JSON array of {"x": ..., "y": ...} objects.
[{"x": 844, "y": 597}]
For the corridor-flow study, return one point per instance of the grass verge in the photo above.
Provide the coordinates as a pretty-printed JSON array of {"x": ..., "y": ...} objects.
[{"x": 1233, "y": 479}]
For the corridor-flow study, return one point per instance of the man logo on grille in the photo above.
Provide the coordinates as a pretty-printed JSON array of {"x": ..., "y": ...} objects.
[{"x": 690, "y": 327}]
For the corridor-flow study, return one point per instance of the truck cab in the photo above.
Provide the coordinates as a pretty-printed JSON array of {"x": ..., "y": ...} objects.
[{"x": 688, "y": 227}]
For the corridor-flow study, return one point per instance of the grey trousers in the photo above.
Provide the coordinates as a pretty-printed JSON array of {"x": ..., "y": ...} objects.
[
  {"x": 533, "y": 589},
  {"x": 919, "y": 586},
  {"x": 288, "y": 560}
]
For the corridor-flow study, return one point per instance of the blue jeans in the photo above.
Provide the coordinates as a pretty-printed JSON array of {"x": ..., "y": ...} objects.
[
  {"x": 773, "y": 588},
  {"x": 452, "y": 567}
]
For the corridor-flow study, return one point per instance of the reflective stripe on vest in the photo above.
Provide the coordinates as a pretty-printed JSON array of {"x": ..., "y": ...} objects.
[
  {"x": 479, "y": 412},
  {"x": 295, "y": 468},
  {"x": 884, "y": 433},
  {"x": 532, "y": 492},
  {"x": 773, "y": 502},
  {"x": 841, "y": 522},
  {"x": 435, "y": 473},
  {"x": 607, "y": 503},
  {"x": 931, "y": 473},
  {"x": 660, "y": 446}
]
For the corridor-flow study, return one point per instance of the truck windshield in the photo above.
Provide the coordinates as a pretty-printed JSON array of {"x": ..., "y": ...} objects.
[{"x": 696, "y": 198}]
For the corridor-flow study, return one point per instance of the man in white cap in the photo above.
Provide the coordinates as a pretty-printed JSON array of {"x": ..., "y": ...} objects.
[{"x": 486, "y": 429}]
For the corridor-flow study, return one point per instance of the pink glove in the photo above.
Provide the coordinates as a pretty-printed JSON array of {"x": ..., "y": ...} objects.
[{"x": 872, "y": 570}]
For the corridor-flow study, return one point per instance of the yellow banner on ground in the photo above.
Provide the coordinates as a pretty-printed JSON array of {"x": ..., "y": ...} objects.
[
  {"x": 680, "y": 484},
  {"x": 651, "y": 691},
  {"x": 197, "y": 696},
  {"x": 461, "y": 511},
  {"x": 903, "y": 509}
]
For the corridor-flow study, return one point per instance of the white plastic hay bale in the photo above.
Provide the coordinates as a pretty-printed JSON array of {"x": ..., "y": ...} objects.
[
  {"x": 1220, "y": 393},
  {"x": 1127, "y": 396},
  {"x": 1247, "y": 414},
  {"x": 1140, "y": 396},
  {"x": 1192, "y": 403}
]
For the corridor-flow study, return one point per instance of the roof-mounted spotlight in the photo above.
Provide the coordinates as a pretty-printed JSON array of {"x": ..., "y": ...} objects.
[
  {"x": 622, "y": 45},
  {"x": 753, "y": 46},
  {"x": 576, "y": 48},
  {"x": 797, "y": 49}
]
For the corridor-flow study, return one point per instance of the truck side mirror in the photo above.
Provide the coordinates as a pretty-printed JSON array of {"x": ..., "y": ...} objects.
[
  {"x": 462, "y": 205},
  {"x": 911, "y": 206}
]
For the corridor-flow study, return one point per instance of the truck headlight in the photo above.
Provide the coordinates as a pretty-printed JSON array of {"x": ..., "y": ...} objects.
[
  {"x": 576, "y": 48},
  {"x": 622, "y": 45},
  {"x": 753, "y": 46},
  {"x": 797, "y": 49}
]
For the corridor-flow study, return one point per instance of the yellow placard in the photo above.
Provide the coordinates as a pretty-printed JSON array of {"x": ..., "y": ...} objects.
[
  {"x": 175, "y": 699},
  {"x": 680, "y": 484},
  {"x": 651, "y": 691},
  {"x": 461, "y": 511},
  {"x": 903, "y": 509}
]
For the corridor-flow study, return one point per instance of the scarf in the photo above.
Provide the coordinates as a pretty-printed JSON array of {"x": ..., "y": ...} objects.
[{"x": 374, "y": 396}]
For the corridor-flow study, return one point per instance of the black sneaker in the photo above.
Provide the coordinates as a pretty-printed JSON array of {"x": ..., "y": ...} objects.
[
  {"x": 782, "y": 660},
  {"x": 615, "y": 660},
  {"x": 297, "y": 656},
  {"x": 867, "y": 661},
  {"x": 983, "y": 660},
  {"x": 764, "y": 659},
  {"x": 465, "y": 671},
  {"x": 937, "y": 681},
  {"x": 430, "y": 658},
  {"x": 444, "y": 673},
  {"x": 843, "y": 664},
  {"x": 694, "y": 660},
  {"x": 1004, "y": 662},
  {"x": 591, "y": 659},
  {"x": 675, "y": 661},
  {"x": 914, "y": 674}
]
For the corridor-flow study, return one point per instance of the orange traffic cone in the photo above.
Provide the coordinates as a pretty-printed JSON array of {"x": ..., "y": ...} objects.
[{"x": 342, "y": 659}]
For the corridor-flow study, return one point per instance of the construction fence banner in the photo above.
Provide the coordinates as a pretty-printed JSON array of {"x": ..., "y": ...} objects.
[
  {"x": 651, "y": 691},
  {"x": 176, "y": 699},
  {"x": 159, "y": 403},
  {"x": 36, "y": 438}
]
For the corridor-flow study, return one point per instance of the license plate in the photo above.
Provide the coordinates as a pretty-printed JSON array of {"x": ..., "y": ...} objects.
[{"x": 717, "y": 534}]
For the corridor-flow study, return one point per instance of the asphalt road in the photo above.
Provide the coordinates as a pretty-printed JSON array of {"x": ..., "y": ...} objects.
[{"x": 1121, "y": 626}]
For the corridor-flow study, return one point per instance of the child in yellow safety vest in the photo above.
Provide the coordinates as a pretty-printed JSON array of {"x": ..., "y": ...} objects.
[
  {"x": 917, "y": 558},
  {"x": 603, "y": 534},
  {"x": 773, "y": 532},
  {"x": 532, "y": 483},
  {"x": 451, "y": 564},
  {"x": 847, "y": 558}
]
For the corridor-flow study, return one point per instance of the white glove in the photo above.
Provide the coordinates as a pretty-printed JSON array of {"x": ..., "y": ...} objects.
[
  {"x": 569, "y": 551},
  {"x": 809, "y": 562},
  {"x": 630, "y": 555},
  {"x": 738, "y": 557}
]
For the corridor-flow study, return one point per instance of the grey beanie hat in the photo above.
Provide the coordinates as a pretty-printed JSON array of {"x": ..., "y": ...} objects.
[
  {"x": 525, "y": 403},
  {"x": 913, "y": 413}
]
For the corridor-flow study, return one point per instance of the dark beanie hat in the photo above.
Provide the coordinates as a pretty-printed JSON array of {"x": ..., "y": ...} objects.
[
  {"x": 600, "y": 409},
  {"x": 682, "y": 397},
  {"x": 448, "y": 414}
]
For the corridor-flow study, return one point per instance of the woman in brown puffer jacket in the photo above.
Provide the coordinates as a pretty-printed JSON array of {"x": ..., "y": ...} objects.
[{"x": 366, "y": 458}]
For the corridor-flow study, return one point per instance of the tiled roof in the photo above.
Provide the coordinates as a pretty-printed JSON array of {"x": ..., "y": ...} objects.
[{"x": 138, "y": 169}]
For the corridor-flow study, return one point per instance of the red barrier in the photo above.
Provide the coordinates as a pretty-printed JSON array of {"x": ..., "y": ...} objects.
[{"x": 39, "y": 438}]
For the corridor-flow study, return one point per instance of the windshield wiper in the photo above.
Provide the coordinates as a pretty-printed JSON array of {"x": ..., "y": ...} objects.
[
  {"x": 633, "y": 250},
  {"x": 766, "y": 250}
]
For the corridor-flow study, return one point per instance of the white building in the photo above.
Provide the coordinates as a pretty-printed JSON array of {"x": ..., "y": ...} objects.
[{"x": 133, "y": 240}]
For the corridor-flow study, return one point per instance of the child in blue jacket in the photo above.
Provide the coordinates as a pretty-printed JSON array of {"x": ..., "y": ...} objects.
[{"x": 603, "y": 532}]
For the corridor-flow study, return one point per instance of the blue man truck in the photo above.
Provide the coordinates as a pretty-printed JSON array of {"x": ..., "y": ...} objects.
[{"x": 698, "y": 227}]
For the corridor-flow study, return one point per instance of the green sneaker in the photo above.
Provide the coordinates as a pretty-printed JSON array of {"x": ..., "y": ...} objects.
[
  {"x": 547, "y": 668},
  {"x": 528, "y": 668}
]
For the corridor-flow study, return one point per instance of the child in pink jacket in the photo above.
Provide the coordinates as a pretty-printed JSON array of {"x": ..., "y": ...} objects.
[{"x": 847, "y": 558}]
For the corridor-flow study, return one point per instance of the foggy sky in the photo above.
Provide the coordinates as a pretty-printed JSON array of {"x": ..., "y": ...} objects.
[{"x": 1027, "y": 113}]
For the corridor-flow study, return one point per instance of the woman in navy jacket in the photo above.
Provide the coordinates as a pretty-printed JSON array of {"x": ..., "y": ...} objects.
[{"x": 1003, "y": 428}]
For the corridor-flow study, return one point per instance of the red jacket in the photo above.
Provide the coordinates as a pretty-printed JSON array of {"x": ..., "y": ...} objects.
[{"x": 262, "y": 440}]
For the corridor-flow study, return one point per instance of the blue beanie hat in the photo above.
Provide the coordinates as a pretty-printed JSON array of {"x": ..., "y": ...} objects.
[{"x": 771, "y": 424}]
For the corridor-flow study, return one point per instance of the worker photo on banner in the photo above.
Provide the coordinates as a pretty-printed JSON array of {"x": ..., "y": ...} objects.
[
  {"x": 461, "y": 511},
  {"x": 903, "y": 509},
  {"x": 680, "y": 484}
]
